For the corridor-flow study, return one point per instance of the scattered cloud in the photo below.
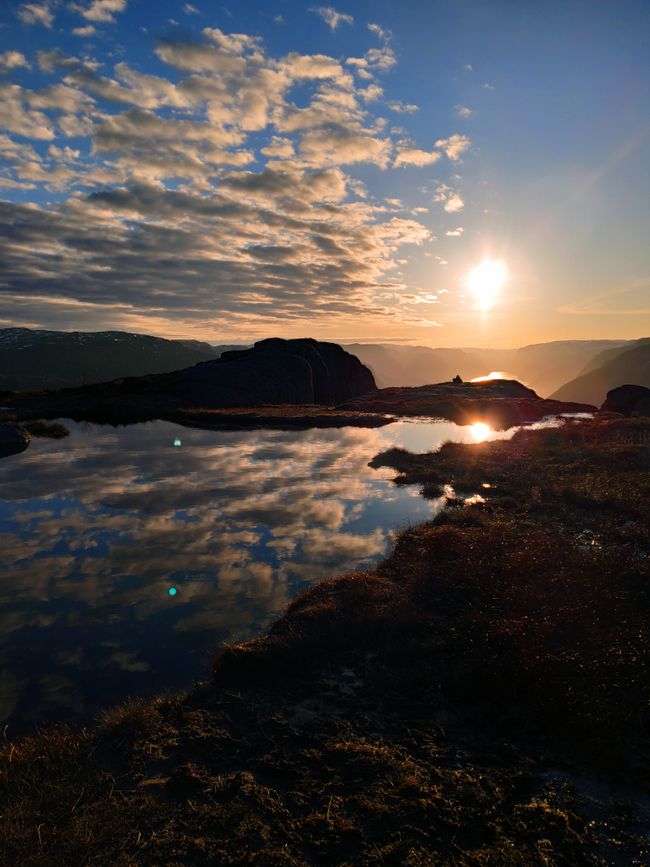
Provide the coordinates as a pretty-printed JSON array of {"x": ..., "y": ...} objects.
[
  {"x": 451, "y": 201},
  {"x": 403, "y": 107},
  {"x": 380, "y": 32},
  {"x": 455, "y": 233},
  {"x": 13, "y": 60},
  {"x": 411, "y": 156},
  {"x": 487, "y": 86},
  {"x": 454, "y": 146},
  {"x": 464, "y": 111},
  {"x": 188, "y": 9},
  {"x": 36, "y": 13},
  {"x": 102, "y": 11},
  {"x": 331, "y": 16},
  {"x": 371, "y": 93},
  {"x": 88, "y": 30}
]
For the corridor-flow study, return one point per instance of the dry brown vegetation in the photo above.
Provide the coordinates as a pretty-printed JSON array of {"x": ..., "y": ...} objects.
[{"x": 480, "y": 699}]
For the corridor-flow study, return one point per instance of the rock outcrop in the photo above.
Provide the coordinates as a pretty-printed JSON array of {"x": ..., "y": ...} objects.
[
  {"x": 13, "y": 439},
  {"x": 628, "y": 400},
  {"x": 498, "y": 402},
  {"x": 272, "y": 372}
]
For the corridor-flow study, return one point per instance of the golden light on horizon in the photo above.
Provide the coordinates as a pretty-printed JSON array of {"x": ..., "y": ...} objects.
[
  {"x": 480, "y": 431},
  {"x": 485, "y": 281},
  {"x": 492, "y": 375}
]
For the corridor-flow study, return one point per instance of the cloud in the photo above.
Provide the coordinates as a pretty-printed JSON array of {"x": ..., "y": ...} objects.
[
  {"x": 311, "y": 66},
  {"x": 59, "y": 97},
  {"x": 16, "y": 118},
  {"x": 451, "y": 201},
  {"x": 199, "y": 57},
  {"x": 380, "y": 32},
  {"x": 381, "y": 59},
  {"x": 188, "y": 9},
  {"x": 331, "y": 17},
  {"x": 102, "y": 11},
  {"x": 279, "y": 147},
  {"x": 410, "y": 156},
  {"x": 13, "y": 60},
  {"x": 36, "y": 13},
  {"x": 371, "y": 93},
  {"x": 454, "y": 146},
  {"x": 403, "y": 107},
  {"x": 455, "y": 233},
  {"x": 337, "y": 144},
  {"x": 464, "y": 111},
  {"x": 487, "y": 86},
  {"x": 217, "y": 196},
  {"x": 133, "y": 88},
  {"x": 233, "y": 43},
  {"x": 88, "y": 30},
  {"x": 454, "y": 204}
]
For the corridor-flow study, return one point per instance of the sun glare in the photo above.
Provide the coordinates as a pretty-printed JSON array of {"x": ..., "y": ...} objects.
[
  {"x": 485, "y": 282},
  {"x": 480, "y": 431}
]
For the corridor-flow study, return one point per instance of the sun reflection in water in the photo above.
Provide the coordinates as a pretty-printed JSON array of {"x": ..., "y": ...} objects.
[{"x": 480, "y": 431}]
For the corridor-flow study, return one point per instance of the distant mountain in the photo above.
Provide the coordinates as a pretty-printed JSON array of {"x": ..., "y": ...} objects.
[
  {"x": 629, "y": 366},
  {"x": 31, "y": 359},
  {"x": 543, "y": 366}
]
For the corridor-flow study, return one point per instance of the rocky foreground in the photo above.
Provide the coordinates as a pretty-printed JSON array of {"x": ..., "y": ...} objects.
[{"x": 481, "y": 698}]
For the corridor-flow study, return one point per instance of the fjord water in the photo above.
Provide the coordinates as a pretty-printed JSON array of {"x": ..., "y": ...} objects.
[{"x": 98, "y": 528}]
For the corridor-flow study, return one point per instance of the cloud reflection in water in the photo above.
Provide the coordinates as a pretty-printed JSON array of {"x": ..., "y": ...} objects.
[{"x": 95, "y": 528}]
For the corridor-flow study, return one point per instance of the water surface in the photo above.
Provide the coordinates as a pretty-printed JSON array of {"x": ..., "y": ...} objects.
[{"x": 97, "y": 528}]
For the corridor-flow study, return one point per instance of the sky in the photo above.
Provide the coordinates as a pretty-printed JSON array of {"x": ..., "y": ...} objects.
[{"x": 275, "y": 168}]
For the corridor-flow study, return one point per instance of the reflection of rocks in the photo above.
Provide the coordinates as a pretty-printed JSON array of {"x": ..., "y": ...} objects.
[{"x": 13, "y": 439}]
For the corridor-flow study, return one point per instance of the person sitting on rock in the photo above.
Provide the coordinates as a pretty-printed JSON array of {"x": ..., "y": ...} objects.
[{"x": 457, "y": 379}]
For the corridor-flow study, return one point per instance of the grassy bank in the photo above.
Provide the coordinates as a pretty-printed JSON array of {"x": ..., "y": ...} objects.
[{"x": 480, "y": 698}]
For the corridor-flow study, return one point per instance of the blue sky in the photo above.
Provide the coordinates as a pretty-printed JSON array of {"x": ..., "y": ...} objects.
[{"x": 230, "y": 172}]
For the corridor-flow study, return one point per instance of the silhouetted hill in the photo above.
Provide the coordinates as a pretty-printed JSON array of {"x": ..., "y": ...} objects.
[
  {"x": 628, "y": 400},
  {"x": 31, "y": 359},
  {"x": 629, "y": 366},
  {"x": 272, "y": 372},
  {"x": 543, "y": 366}
]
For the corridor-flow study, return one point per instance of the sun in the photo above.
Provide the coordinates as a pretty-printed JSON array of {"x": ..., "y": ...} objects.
[{"x": 484, "y": 281}]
